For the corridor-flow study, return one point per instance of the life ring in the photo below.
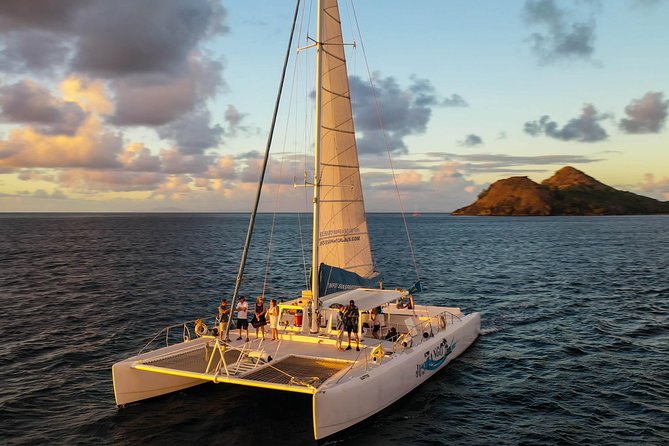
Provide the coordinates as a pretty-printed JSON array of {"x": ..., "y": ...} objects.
[
  {"x": 442, "y": 322},
  {"x": 201, "y": 328},
  {"x": 377, "y": 353}
]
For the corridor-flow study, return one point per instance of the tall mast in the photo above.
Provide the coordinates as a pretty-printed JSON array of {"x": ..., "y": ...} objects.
[{"x": 317, "y": 162}]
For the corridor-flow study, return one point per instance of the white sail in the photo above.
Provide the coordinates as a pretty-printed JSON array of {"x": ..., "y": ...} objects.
[{"x": 343, "y": 239}]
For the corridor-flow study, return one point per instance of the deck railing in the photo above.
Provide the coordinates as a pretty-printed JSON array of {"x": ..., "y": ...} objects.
[{"x": 176, "y": 333}]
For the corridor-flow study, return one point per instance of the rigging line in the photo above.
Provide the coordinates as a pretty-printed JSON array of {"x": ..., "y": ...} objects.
[
  {"x": 385, "y": 140},
  {"x": 278, "y": 186},
  {"x": 249, "y": 232}
]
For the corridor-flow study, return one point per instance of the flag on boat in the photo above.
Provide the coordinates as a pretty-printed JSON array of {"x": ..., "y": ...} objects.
[{"x": 416, "y": 288}]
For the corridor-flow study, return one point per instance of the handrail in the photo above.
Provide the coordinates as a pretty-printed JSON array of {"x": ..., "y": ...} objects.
[{"x": 166, "y": 330}]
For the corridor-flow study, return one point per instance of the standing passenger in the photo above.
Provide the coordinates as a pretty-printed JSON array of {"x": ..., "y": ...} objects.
[
  {"x": 243, "y": 317},
  {"x": 274, "y": 319},
  {"x": 351, "y": 324},
  {"x": 223, "y": 317},
  {"x": 259, "y": 320}
]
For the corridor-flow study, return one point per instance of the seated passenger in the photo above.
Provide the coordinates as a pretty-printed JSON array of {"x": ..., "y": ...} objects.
[
  {"x": 392, "y": 335},
  {"x": 405, "y": 302}
]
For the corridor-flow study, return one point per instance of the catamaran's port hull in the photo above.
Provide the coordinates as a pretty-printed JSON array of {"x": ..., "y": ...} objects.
[
  {"x": 132, "y": 385},
  {"x": 339, "y": 406}
]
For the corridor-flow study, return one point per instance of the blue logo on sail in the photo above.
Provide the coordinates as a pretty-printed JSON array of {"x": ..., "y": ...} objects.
[{"x": 435, "y": 358}]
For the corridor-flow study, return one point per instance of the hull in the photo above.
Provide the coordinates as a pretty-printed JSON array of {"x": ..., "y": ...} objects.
[
  {"x": 354, "y": 398},
  {"x": 131, "y": 385}
]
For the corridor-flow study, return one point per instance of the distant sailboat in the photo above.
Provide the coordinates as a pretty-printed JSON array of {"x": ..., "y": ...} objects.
[{"x": 412, "y": 342}]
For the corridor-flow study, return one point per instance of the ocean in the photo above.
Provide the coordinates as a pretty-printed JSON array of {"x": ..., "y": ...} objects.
[{"x": 574, "y": 346}]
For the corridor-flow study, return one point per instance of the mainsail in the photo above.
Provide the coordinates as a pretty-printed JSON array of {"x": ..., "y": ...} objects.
[{"x": 343, "y": 240}]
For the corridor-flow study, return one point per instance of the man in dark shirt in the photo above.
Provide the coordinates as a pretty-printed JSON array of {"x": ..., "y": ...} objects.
[{"x": 351, "y": 324}]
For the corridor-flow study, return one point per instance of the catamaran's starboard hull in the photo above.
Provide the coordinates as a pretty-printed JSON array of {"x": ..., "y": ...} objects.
[{"x": 338, "y": 406}]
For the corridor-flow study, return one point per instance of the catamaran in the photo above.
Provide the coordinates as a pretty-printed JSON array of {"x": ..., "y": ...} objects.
[{"x": 410, "y": 343}]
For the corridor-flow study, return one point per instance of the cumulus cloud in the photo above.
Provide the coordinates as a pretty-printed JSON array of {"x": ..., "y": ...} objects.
[
  {"x": 157, "y": 99},
  {"x": 92, "y": 146},
  {"x": 36, "y": 52},
  {"x": 50, "y": 15},
  {"x": 156, "y": 69},
  {"x": 444, "y": 189},
  {"x": 110, "y": 31},
  {"x": 87, "y": 180},
  {"x": 192, "y": 132},
  {"x": 136, "y": 157},
  {"x": 645, "y": 115},
  {"x": 405, "y": 111},
  {"x": 471, "y": 140},
  {"x": 235, "y": 122},
  {"x": 585, "y": 128},
  {"x": 658, "y": 188},
  {"x": 57, "y": 194},
  {"x": 29, "y": 103},
  {"x": 561, "y": 36}
]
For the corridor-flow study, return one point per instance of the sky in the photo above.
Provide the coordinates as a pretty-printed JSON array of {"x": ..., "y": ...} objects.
[{"x": 165, "y": 105}]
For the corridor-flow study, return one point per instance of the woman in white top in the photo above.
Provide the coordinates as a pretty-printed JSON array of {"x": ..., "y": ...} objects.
[{"x": 274, "y": 319}]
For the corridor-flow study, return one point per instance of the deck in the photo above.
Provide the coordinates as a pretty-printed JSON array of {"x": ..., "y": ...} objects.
[{"x": 298, "y": 367}]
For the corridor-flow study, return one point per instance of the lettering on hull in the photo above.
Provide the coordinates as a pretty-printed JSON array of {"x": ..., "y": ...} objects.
[{"x": 435, "y": 358}]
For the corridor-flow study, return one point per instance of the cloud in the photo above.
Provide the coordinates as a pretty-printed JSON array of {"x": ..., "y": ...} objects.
[
  {"x": 51, "y": 15},
  {"x": 88, "y": 180},
  {"x": 646, "y": 115},
  {"x": 175, "y": 162},
  {"x": 136, "y": 157},
  {"x": 658, "y": 188},
  {"x": 424, "y": 94},
  {"x": 92, "y": 146},
  {"x": 26, "y": 102},
  {"x": 444, "y": 189},
  {"x": 156, "y": 69},
  {"x": 41, "y": 193},
  {"x": 35, "y": 52},
  {"x": 585, "y": 128},
  {"x": 157, "y": 99},
  {"x": 235, "y": 120},
  {"x": 508, "y": 164},
  {"x": 192, "y": 132},
  {"x": 471, "y": 140},
  {"x": 117, "y": 38},
  {"x": 561, "y": 37},
  {"x": 404, "y": 111}
]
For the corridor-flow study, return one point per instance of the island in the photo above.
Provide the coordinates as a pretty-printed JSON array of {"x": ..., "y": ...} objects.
[{"x": 568, "y": 192}]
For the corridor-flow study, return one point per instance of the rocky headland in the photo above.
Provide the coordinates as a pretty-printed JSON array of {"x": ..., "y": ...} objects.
[{"x": 568, "y": 192}]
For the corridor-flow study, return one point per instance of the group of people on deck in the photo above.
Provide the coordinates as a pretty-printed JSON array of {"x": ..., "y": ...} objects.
[
  {"x": 348, "y": 319},
  {"x": 259, "y": 319}
]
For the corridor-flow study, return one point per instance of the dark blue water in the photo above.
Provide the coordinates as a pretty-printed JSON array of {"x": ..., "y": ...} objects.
[{"x": 575, "y": 311}]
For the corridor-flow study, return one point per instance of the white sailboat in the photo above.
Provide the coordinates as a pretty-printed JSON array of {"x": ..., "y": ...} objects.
[{"x": 306, "y": 359}]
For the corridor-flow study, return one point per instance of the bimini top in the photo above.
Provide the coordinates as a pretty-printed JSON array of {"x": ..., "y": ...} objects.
[{"x": 365, "y": 298}]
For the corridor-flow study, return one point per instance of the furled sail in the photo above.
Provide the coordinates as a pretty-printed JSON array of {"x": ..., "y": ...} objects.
[{"x": 343, "y": 239}]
